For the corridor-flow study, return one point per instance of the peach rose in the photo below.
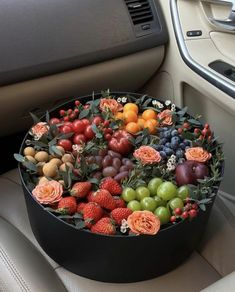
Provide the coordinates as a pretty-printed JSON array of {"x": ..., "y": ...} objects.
[
  {"x": 39, "y": 129},
  {"x": 48, "y": 192},
  {"x": 147, "y": 155},
  {"x": 143, "y": 222},
  {"x": 110, "y": 104},
  {"x": 197, "y": 154},
  {"x": 166, "y": 117}
]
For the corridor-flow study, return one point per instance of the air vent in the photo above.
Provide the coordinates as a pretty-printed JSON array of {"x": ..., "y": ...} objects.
[{"x": 140, "y": 11}]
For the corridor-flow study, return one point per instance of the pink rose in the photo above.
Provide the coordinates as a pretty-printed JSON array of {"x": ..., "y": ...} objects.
[
  {"x": 49, "y": 192},
  {"x": 110, "y": 104},
  {"x": 39, "y": 129},
  {"x": 147, "y": 155}
]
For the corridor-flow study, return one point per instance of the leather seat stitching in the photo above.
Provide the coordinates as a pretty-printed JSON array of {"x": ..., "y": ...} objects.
[
  {"x": 3, "y": 286},
  {"x": 13, "y": 271}
]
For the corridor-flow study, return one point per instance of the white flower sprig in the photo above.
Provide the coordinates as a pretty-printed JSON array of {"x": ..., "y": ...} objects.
[
  {"x": 173, "y": 107},
  {"x": 157, "y": 104},
  {"x": 171, "y": 163},
  {"x": 124, "y": 227},
  {"x": 167, "y": 102},
  {"x": 122, "y": 99}
]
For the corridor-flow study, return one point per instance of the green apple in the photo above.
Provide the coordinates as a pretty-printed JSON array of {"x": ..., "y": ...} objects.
[
  {"x": 176, "y": 203},
  {"x": 163, "y": 214},
  {"x": 167, "y": 191},
  {"x": 142, "y": 192},
  {"x": 148, "y": 203},
  {"x": 183, "y": 192},
  {"x": 128, "y": 194},
  {"x": 153, "y": 185},
  {"x": 134, "y": 205}
]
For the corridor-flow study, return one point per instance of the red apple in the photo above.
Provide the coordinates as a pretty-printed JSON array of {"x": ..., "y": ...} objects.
[{"x": 189, "y": 172}]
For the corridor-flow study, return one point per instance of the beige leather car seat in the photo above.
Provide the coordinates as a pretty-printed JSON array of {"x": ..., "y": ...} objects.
[{"x": 25, "y": 267}]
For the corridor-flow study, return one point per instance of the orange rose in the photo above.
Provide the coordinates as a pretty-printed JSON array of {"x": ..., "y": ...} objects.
[
  {"x": 39, "y": 129},
  {"x": 166, "y": 117},
  {"x": 147, "y": 155},
  {"x": 110, "y": 104},
  {"x": 143, "y": 222},
  {"x": 197, "y": 154},
  {"x": 48, "y": 192}
]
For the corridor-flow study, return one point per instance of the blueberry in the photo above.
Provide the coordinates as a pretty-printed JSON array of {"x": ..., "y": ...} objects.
[
  {"x": 174, "y": 133},
  {"x": 157, "y": 147},
  {"x": 165, "y": 129},
  {"x": 168, "y": 151},
  {"x": 175, "y": 140},
  {"x": 179, "y": 153},
  {"x": 167, "y": 135},
  {"x": 163, "y": 141},
  {"x": 168, "y": 144},
  {"x": 161, "y": 134},
  {"x": 182, "y": 146},
  {"x": 163, "y": 154},
  {"x": 186, "y": 142}
]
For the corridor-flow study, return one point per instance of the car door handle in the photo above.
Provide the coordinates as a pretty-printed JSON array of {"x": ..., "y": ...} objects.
[{"x": 228, "y": 23}]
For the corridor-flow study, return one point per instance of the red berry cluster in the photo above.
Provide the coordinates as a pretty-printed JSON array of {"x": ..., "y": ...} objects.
[
  {"x": 190, "y": 210},
  {"x": 185, "y": 127},
  {"x": 204, "y": 134}
]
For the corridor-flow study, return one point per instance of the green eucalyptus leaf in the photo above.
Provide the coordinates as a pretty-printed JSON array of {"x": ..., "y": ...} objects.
[
  {"x": 30, "y": 166},
  {"x": 19, "y": 157},
  {"x": 35, "y": 118},
  {"x": 79, "y": 224},
  {"x": 84, "y": 113}
]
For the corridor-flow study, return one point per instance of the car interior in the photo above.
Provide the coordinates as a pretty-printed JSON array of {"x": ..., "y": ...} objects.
[{"x": 178, "y": 50}]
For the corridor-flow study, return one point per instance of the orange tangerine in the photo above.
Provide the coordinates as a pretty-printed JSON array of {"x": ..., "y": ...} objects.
[
  {"x": 130, "y": 116},
  {"x": 141, "y": 122},
  {"x": 119, "y": 116},
  {"x": 131, "y": 107},
  {"x": 132, "y": 128},
  {"x": 149, "y": 114},
  {"x": 151, "y": 124}
]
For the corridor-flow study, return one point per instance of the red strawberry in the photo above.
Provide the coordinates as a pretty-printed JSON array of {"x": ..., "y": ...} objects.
[
  {"x": 111, "y": 185},
  {"x": 104, "y": 199},
  {"x": 67, "y": 205},
  {"x": 119, "y": 214},
  {"x": 90, "y": 196},
  {"x": 92, "y": 213},
  {"x": 81, "y": 189},
  {"x": 80, "y": 207},
  {"x": 120, "y": 203},
  {"x": 104, "y": 226}
]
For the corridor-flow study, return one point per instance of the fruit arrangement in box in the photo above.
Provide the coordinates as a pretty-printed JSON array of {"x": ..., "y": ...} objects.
[{"x": 118, "y": 165}]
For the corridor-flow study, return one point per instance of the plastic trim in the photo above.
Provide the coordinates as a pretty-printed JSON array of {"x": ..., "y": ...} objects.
[{"x": 190, "y": 62}]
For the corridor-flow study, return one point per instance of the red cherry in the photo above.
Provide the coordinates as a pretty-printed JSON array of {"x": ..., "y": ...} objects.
[
  {"x": 196, "y": 131},
  {"x": 194, "y": 206},
  {"x": 77, "y": 102},
  {"x": 180, "y": 130},
  {"x": 86, "y": 122},
  {"x": 76, "y": 111},
  {"x": 68, "y": 124},
  {"x": 206, "y": 126},
  {"x": 97, "y": 120},
  {"x": 79, "y": 139},
  {"x": 66, "y": 129},
  {"x": 204, "y": 132},
  {"x": 62, "y": 113},
  {"x": 192, "y": 213},
  {"x": 78, "y": 126},
  {"x": 186, "y": 125},
  {"x": 69, "y": 111},
  {"x": 178, "y": 211},
  {"x": 54, "y": 121},
  {"x": 173, "y": 219},
  {"x": 66, "y": 144},
  {"x": 106, "y": 123},
  {"x": 89, "y": 134},
  {"x": 66, "y": 118},
  {"x": 184, "y": 215},
  {"x": 72, "y": 116},
  {"x": 108, "y": 137}
]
